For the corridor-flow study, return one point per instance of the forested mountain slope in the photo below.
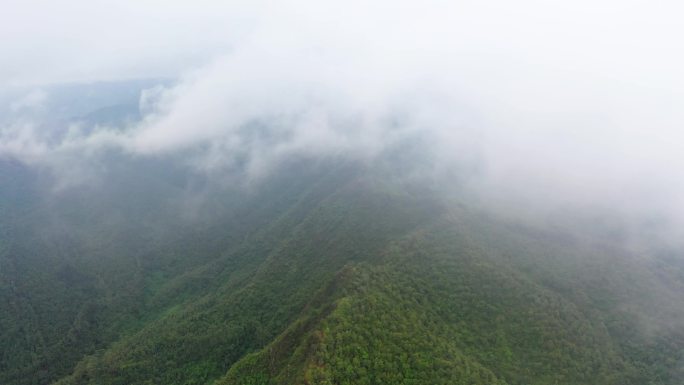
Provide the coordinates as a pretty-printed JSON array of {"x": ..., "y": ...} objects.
[
  {"x": 440, "y": 308},
  {"x": 324, "y": 270},
  {"x": 329, "y": 273}
]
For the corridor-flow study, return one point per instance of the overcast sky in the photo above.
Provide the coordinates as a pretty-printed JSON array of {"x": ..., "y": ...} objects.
[
  {"x": 581, "y": 100},
  {"x": 56, "y": 41}
]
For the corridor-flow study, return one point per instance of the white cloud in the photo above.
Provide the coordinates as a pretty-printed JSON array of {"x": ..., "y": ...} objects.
[{"x": 562, "y": 100}]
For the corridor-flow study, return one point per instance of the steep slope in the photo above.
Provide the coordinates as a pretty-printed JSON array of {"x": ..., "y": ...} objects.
[
  {"x": 250, "y": 295},
  {"x": 439, "y": 310},
  {"x": 82, "y": 270},
  {"x": 326, "y": 273}
]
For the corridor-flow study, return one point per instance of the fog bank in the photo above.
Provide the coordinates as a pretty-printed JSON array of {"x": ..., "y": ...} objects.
[{"x": 553, "y": 104}]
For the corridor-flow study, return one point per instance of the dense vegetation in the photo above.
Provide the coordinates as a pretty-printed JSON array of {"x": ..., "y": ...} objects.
[
  {"x": 325, "y": 272},
  {"x": 332, "y": 277},
  {"x": 439, "y": 311}
]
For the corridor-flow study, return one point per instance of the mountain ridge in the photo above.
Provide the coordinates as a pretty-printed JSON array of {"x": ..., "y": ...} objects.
[{"x": 330, "y": 273}]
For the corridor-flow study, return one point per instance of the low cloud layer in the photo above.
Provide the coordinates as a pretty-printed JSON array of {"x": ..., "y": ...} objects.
[{"x": 557, "y": 102}]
